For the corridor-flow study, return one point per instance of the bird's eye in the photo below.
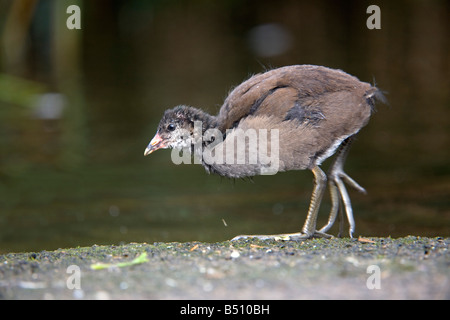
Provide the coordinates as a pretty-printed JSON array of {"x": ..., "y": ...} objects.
[{"x": 171, "y": 127}]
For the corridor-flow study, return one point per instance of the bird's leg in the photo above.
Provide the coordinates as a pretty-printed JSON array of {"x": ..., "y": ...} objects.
[
  {"x": 309, "y": 228},
  {"x": 320, "y": 180},
  {"x": 337, "y": 188},
  {"x": 341, "y": 222},
  {"x": 335, "y": 205}
]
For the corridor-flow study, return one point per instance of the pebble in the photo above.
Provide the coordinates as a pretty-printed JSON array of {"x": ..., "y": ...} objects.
[{"x": 235, "y": 254}]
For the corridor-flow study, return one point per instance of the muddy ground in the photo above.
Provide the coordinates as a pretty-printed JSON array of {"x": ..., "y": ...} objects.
[{"x": 408, "y": 268}]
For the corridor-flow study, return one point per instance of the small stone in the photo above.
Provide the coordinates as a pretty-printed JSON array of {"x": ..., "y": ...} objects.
[{"x": 235, "y": 254}]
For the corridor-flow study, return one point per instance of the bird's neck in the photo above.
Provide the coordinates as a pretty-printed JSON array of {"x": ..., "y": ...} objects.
[
  {"x": 208, "y": 121},
  {"x": 207, "y": 136}
]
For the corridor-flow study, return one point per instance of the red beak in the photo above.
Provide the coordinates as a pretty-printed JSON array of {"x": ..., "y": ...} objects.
[{"x": 156, "y": 143}]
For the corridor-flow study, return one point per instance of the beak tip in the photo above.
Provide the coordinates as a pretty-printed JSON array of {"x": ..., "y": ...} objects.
[
  {"x": 155, "y": 144},
  {"x": 147, "y": 151}
]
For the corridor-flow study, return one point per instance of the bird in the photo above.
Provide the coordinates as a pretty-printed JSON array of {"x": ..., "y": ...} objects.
[{"x": 311, "y": 112}]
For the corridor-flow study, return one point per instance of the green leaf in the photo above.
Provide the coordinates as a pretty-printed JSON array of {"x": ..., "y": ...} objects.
[{"x": 138, "y": 260}]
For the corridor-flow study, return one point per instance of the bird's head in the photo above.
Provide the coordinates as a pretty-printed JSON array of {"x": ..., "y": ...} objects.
[{"x": 175, "y": 130}]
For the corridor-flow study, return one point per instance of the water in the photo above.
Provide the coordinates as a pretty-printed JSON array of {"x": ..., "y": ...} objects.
[
  {"x": 82, "y": 180},
  {"x": 159, "y": 201}
]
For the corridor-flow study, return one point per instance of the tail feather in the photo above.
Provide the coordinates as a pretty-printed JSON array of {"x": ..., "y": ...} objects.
[{"x": 374, "y": 95}]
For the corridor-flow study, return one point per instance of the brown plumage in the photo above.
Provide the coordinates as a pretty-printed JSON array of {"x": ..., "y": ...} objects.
[{"x": 309, "y": 112}]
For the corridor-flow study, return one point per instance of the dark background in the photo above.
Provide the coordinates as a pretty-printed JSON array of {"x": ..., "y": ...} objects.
[{"x": 72, "y": 171}]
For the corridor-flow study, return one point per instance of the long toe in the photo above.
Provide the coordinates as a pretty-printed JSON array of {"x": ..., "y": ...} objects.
[
  {"x": 352, "y": 183},
  {"x": 258, "y": 237},
  {"x": 316, "y": 234},
  {"x": 284, "y": 237}
]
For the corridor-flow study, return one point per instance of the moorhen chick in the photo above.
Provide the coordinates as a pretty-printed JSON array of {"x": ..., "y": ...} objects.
[{"x": 311, "y": 113}]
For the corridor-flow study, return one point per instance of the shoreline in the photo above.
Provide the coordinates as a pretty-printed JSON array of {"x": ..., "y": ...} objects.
[{"x": 373, "y": 268}]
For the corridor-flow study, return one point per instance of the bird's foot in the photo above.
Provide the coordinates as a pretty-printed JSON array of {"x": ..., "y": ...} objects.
[
  {"x": 338, "y": 174},
  {"x": 285, "y": 237}
]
